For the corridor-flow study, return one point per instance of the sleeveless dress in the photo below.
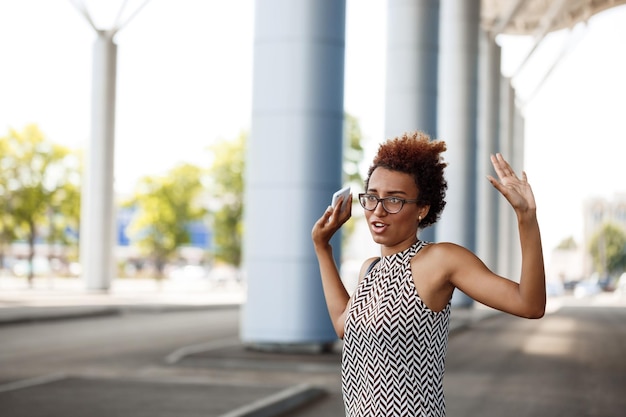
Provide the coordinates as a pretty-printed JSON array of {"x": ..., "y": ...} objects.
[{"x": 394, "y": 346}]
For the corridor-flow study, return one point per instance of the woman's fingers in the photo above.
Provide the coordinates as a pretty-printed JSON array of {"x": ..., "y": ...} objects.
[
  {"x": 515, "y": 189},
  {"x": 502, "y": 167},
  {"x": 337, "y": 212},
  {"x": 332, "y": 219}
]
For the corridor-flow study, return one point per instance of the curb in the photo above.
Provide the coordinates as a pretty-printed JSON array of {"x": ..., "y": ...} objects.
[
  {"x": 40, "y": 314},
  {"x": 279, "y": 403},
  {"x": 31, "y": 314}
]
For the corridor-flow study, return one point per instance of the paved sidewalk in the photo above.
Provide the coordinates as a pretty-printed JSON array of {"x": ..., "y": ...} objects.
[
  {"x": 263, "y": 383},
  {"x": 65, "y": 298}
]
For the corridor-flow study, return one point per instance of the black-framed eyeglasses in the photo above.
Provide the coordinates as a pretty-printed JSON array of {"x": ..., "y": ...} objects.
[{"x": 392, "y": 205}]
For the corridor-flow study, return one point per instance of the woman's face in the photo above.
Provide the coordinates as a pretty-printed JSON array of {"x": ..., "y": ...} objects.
[{"x": 395, "y": 232}]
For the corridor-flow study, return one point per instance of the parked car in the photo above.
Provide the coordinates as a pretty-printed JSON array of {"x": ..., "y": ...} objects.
[
  {"x": 587, "y": 288},
  {"x": 620, "y": 285},
  {"x": 41, "y": 267},
  {"x": 554, "y": 288}
]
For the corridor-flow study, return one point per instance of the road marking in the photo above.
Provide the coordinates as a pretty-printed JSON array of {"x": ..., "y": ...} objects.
[
  {"x": 32, "y": 382},
  {"x": 278, "y": 403},
  {"x": 180, "y": 353}
]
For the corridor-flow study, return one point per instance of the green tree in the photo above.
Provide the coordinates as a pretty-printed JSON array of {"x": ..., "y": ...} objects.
[
  {"x": 608, "y": 249},
  {"x": 227, "y": 174},
  {"x": 165, "y": 206},
  {"x": 36, "y": 175},
  {"x": 64, "y": 215},
  {"x": 7, "y": 227}
]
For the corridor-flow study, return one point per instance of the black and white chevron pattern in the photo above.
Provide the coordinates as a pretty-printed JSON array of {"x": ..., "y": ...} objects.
[{"x": 394, "y": 346}]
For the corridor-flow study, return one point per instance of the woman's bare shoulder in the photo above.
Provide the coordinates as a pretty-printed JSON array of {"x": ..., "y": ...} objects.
[
  {"x": 444, "y": 254},
  {"x": 366, "y": 265},
  {"x": 443, "y": 249}
]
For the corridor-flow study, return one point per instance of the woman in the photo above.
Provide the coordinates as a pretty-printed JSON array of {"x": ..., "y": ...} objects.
[{"x": 395, "y": 325}]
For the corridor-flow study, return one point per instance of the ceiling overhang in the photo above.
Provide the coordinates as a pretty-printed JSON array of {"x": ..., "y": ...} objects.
[{"x": 536, "y": 17}]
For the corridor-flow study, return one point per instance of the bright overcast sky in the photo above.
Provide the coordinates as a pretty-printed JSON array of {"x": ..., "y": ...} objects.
[{"x": 184, "y": 80}]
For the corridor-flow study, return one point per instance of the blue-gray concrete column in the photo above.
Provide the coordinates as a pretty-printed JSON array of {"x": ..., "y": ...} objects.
[
  {"x": 294, "y": 165},
  {"x": 505, "y": 218},
  {"x": 489, "y": 76},
  {"x": 412, "y": 61},
  {"x": 456, "y": 121},
  {"x": 457, "y": 113},
  {"x": 517, "y": 162},
  {"x": 97, "y": 202}
]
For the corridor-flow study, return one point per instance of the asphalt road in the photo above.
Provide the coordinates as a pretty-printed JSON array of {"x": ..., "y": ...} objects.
[
  {"x": 123, "y": 345},
  {"x": 570, "y": 363}
]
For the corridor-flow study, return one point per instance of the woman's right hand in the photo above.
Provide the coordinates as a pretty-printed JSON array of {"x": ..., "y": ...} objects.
[{"x": 332, "y": 219}]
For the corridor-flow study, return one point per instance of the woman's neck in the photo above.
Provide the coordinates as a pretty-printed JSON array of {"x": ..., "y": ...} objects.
[{"x": 400, "y": 247}]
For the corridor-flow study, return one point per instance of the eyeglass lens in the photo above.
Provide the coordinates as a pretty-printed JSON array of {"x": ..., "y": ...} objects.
[{"x": 390, "y": 204}]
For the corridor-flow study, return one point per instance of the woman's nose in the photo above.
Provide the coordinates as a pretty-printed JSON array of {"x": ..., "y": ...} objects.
[{"x": 380, "y": 210}]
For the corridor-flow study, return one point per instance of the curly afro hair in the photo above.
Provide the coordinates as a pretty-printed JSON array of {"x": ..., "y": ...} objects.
[{"x": 415, "y": 154}]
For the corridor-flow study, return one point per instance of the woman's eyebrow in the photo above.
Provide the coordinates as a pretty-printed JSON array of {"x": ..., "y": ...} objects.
[{"x": 374, "y": 190}]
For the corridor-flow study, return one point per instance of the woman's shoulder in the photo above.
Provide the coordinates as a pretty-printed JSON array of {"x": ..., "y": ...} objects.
[
  {"x": 446, "y": 252},
  {"x": 442, "y": 247},
  {"x": 368, "y": 264},
  {"x": 442, "y": 260}
]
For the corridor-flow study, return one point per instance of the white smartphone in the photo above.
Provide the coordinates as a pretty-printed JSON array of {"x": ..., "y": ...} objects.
[{"x": 344, "y": 192}]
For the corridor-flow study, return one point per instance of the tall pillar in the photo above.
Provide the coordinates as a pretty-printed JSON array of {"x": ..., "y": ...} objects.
[
  {"x": 294, "y": 165},
  {"x": 488, "y": 133},
  {"x": 97, "y": 202},
  {"x": 456, "y": 121},
  {"x": 411, "y": 84},
  {"x": 505, "y": 219}
]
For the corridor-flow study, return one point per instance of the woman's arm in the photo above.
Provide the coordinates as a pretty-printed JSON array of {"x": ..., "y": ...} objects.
[
  {"x": 337, "y": 297},
  {"x": 528, "y": 298},
  {"x": 532, "y": 284},
  {"x": 517, "y": 191}
]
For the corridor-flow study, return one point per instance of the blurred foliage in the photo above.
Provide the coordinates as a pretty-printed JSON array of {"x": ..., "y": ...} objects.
[
  {"x": 164, "y": 207},
  {"x": 227, "y": 173},
  {"x": 608, "y": 249},
  {"x": 352, "y": 150},
  {"x": 40, "y": 196},
  {"x": 39, "y": 190},
  {"x": 352, "y": 158},
  {"x": 7, "y": 222},
  {"x": 567, "y": 244}
]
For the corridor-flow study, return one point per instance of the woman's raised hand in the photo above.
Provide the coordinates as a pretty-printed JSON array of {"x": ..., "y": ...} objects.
[
  {"x": 332, "y": 219},
  {"x": 516, "y": 190}
]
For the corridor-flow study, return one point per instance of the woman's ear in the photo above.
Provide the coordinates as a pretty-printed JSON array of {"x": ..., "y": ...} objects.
[{"x": 423, "y": 212}]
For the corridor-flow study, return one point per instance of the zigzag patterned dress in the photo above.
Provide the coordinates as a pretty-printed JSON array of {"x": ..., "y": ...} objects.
[{"x": 394, "y": 346}]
